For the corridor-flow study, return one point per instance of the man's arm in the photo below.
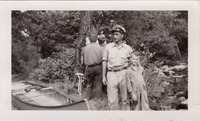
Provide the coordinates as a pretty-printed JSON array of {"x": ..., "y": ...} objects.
[
  {"x": 128, "y": 82},
  {"x": 82, "y": 60},
  {"x": 104, "y": 66},
  {"x": 82, "y": 57}
]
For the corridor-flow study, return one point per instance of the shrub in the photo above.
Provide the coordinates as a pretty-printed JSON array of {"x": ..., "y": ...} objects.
[
  {"x": 24, "y": 59},
  {"x": 57, "y": 68}
]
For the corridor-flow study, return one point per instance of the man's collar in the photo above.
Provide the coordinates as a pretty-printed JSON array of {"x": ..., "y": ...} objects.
[
  {"x": 115, "y": 45},
  {"x": 93, "y": 43}
]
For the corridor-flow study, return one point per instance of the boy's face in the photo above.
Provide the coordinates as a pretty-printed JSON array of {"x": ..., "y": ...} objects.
[{"x": 134, "y": 60}]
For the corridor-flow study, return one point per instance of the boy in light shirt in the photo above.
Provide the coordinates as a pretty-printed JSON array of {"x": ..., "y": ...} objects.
[{"x": 136, "y": 85}]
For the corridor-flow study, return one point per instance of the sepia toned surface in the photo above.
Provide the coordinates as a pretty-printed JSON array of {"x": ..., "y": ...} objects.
[{"x": 190, "y": 96}]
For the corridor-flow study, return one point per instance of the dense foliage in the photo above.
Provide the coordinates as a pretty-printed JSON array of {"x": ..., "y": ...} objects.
[
  {"x": 35, "y": 35},
  {"x": 56, "y": 68},
  {"x": 44, "y": 43}
]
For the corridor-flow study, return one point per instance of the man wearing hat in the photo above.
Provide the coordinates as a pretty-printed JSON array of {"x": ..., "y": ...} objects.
[
  {"x": 115, "y": 61},
  {"x": 102, "y": 40}
]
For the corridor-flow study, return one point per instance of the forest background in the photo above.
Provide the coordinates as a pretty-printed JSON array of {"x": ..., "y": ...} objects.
[{"x": 46, "y": 48}]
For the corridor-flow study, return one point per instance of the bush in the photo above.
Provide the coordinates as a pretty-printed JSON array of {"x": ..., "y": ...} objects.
[
  {"x": 24, "y": 59},
  {"x": 57, "y": 68}
]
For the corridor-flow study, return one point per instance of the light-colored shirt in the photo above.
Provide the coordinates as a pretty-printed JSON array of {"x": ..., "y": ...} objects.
[
  {"x": 92, "y": 54},
  {"x": 136, "y": 84},
  {"x": 116, "y": 56},
  {"x": 134, "y": 79}
]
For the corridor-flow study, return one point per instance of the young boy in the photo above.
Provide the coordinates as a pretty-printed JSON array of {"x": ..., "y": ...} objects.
[{"x": 136, "y": 85}]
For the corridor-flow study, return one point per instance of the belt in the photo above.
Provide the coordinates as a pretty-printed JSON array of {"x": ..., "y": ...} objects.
[
  {"x": 116, "y": 70},
  {"x": 94, "y": 65}
]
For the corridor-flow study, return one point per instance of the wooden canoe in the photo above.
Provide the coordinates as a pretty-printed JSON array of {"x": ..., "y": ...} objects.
[{"x": 31, "y": 96}]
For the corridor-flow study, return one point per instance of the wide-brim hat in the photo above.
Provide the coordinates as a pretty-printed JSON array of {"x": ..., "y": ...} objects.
[{"x": 118, "y": 28}]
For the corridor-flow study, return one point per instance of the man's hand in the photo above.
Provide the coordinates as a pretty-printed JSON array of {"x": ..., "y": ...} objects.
[
  {"x": 104, "y": 80},
  {"x": 134, "y": 97}
]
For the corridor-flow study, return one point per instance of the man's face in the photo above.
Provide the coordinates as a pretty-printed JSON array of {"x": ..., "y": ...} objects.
[{"x": 117, "y": 36}]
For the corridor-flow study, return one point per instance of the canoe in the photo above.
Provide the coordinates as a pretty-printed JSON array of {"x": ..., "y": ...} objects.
[{"x": 32, "y": 96}]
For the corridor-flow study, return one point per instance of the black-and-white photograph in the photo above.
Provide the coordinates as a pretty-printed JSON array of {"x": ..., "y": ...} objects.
[
  {"x": 103, "y": 60},
  {"x": 99, "y": 60}
]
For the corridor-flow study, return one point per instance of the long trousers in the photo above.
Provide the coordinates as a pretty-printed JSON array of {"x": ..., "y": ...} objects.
[
  {"x": 94, "y": 83},
  {"x": 116, "y": 88}
]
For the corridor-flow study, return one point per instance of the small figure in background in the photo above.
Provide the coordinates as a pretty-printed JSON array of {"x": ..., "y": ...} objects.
[
  {"x": 102, "y": 40},
  {"x": 108, "y": 35}
]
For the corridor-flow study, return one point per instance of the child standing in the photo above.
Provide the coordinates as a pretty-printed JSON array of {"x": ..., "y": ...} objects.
[{"x": 136, "y": 85}]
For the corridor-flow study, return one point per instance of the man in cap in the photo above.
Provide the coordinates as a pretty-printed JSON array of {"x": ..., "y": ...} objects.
[
  {"x": 115, "y": 61},
  {"x": 92, "y": 59},
  {"x": 102, "y": 40}
]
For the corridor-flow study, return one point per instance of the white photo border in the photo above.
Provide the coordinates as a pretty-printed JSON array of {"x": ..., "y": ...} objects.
[{"x": 6, "y": 112}]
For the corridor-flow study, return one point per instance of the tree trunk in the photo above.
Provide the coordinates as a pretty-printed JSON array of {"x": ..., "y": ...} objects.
[
  {"x": 86, "y": 20},
  {"x": 178, "y": 51},
  {"x": 87, "y": 29}
]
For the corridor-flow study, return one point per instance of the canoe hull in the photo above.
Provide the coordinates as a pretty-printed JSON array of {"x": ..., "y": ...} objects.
[{"x": 21, "y": 103}]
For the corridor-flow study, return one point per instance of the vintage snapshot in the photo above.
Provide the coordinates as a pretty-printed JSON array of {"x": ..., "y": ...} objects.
[
  {"x": 113, "y": 60},
  {"x": 116, "y": 60}
]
